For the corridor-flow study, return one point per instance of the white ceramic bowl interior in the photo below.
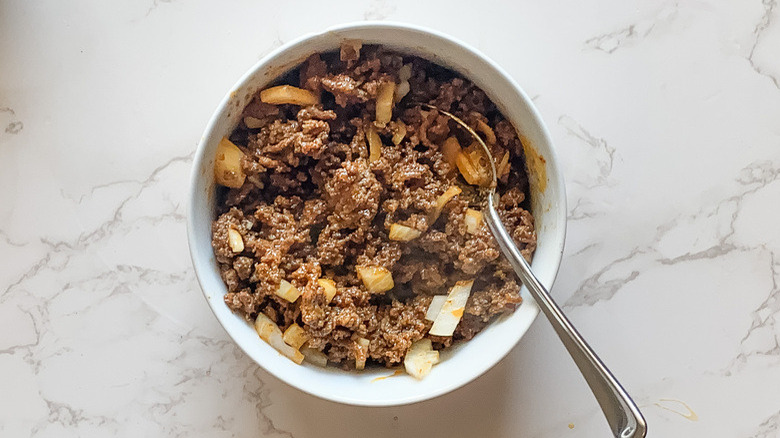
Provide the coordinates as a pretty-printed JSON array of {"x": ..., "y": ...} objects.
[{"x": 460, "y": 364}]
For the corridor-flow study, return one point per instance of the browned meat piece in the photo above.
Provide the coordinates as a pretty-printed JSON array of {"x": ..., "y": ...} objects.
[
  {"x": 312, "y": 72},
  {"x": 494, "y": 299},
  {"x": 243, "y": 267},
  {"x": 353, "y": 195},
  {"x": 315, "y": 113},
  {"x": 346, "y": 89}
]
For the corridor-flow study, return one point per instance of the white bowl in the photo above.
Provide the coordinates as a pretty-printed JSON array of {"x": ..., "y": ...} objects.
[{"x": 465, "y": 361}]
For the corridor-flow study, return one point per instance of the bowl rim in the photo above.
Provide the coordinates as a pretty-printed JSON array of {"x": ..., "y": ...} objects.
[{"x": 553, "y": 172}]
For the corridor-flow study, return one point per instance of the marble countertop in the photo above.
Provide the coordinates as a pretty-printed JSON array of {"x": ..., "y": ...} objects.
[{"x": 666, "y": 119}]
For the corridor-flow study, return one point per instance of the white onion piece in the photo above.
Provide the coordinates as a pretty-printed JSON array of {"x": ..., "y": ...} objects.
[
  {"x": 433, "y": 310},
  {"x": 401, "y": 91},
  {"x": 330, "y": 288},
  {"x": 473, "y": 220},
  {"x": 295, "y": 336},
  {"x": 448, "y": 194},
  {"x": 442, "y": 200},
  {"x": 452, "y": 310},
  {"x": 450, "y": 149},
  {"x": 287, "y": 94},
  {"x": 235, "y": 241},
  {"x": 271, "y": 333},
  {"x": 420, "y": 358},
  {"x": 374, "y": 144},
  {"x": 490, "y": 136},
  {"x": 399, "y": 133},
  {"x": 315, "y": 357},
  {"x": 288, "y": 291},
  {"x": 384, "y": 103},
  {"x": 376, "y": 279},
  {"x": 227, "y": 165},
  {"x": 361, "y": 352},
  {"x": 402, "y": 233}
]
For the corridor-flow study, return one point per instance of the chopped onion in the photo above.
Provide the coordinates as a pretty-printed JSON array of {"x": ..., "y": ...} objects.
[
  {"x": 503, "y": 167},
  {"x": 315, "y": 357},
  {"x": 361, "y": 352},
  {"x": 403, "y": 233},
  {"x": 376, "y": 279},
  {"x": 448, "y": 194},
  {"x": 442, "y": 200},
  {"x": 330, "y": 288},
  {"x": 235, "y": 241},
  {"x": 374, "y": 144},
  {"x": 450, "y": 149},
  {"x": 227, "y": 166},
  {"x": 287, "y": 94},
  {"x": 490, "y": 136},
  {"x": 433, "y": 310},
  {"x": 473, "y": 220},
  {"x": 472, "y": 164},
  {"x": 452, "y": 310},
  {"x": 401, "y": 91},
  {"x": 288, "y": 291},
  {"x": 270, "y": 332},
  {"x": 403, "y": 88},
  {"x": 295, "y": 336},
  {"x": 384, "y": 103},
  {"x": 420, "y": 358},
  {"x": 400, "y": 132}
]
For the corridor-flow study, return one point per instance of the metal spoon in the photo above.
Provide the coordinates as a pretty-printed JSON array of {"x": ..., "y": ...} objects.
[{"x": 621, "y": 412}]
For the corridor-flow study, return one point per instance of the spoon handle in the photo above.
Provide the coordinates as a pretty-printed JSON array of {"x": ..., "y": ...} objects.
[{"x": 621, "y": 412}]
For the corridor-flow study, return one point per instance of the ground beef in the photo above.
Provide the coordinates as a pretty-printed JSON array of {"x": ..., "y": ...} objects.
[
  {"x": 353, "y": 193},
  {"x": 315, "y": 206}
]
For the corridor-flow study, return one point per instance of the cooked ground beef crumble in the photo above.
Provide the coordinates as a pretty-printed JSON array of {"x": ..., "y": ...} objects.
[{"x": 314, "y": 205}]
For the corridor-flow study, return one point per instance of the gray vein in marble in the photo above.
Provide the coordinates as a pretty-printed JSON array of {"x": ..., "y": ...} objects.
[
  {"x": 585, "y": 249},
  {"x": 123, "y": 279},
  {"x": 15, "y": 126},
  {"x": 60, "y": 252},
  {"x": 758, "y": 31},
  {"x": 605, "y": 154},
  {"x": 66, "y": 415},
  {"x": 769, "y": 428},
  {"x": 379, "y": 10},
  {"x": 7, "y": 239},
  {"x": 141, "y": 182},
  {"x": 263, "y": 402},
  {"x": 766, "y": 315},
  {"x": 579, "y": 211},
  {"x": 751, "y": 179},
  {"x": 70, "y": 417},
  {"x": 612, "y": 41},
  {"x": 155, "y": 4},
  {"x": 709, "y": 253},
  {"x": 31, "y": 272},
  {"x": 594, "y": 289},
  {"x": 13, "y": 349}
]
